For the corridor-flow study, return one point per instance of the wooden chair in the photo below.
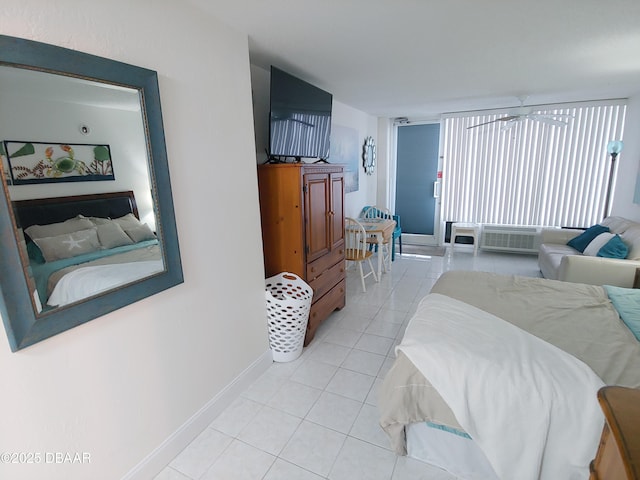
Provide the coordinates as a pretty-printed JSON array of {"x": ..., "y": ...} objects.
[
  {"x": 355, "y": 237},
  {"x": 387, "y": 246}
]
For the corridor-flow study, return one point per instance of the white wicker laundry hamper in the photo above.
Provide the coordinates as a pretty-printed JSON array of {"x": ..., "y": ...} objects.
[{"x": 288, "y": 303}]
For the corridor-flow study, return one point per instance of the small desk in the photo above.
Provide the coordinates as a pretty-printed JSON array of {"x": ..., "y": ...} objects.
[
  {"x": 466, "y": 230},
  {"x": 382, "y": 229}
]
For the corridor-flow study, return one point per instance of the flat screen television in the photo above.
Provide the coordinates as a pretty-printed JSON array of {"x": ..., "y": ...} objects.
[{"x": 300, "y": 118}]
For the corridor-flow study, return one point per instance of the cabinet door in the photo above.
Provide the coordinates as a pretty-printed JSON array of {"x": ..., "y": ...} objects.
[
  {"x": 337, "y": 209},
  {"x": 317, "y": 208}
]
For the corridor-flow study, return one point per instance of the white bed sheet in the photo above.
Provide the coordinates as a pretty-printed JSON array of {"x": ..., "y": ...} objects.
[
  {"x": 458, "y": 455},
  {"x": 528, "y": 405},
  {"x": 87, "y": 281}
]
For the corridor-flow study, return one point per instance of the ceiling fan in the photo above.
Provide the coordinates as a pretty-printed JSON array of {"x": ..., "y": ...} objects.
[{"x": 527, "y": 113}]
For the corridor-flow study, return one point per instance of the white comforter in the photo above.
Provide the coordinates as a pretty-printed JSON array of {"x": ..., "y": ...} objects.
[
  {"x": 531, "y": 407},
  {"x": 87, "y": 281}
]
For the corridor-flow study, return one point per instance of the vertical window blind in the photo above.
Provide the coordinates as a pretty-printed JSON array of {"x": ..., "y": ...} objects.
[{"x": 531, "y": 173}]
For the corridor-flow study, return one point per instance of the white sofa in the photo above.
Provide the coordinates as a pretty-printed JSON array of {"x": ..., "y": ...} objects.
[{"x": 559, "y": 261}]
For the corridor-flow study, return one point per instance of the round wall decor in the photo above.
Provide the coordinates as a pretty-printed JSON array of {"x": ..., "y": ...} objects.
[{"x": 369, "y": 155}]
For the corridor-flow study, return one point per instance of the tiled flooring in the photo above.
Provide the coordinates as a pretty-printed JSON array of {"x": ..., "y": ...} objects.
[{"x": 316, "y": 417}]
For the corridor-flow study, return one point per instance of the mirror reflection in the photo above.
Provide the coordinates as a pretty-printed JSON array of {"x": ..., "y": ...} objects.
[{"x": 76, "y": 169}]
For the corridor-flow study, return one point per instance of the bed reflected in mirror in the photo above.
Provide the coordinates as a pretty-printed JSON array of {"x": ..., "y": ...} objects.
[
  {"x": 75, "y": 247},
  {"x": 87, "y": 203},
  {"x": 79, "y": 236}
]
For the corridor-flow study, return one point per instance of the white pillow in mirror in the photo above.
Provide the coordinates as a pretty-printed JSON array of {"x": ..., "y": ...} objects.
[
  {"x": 55, "y": 229},
  {"x": 128, "y": 221},
  {"x": 68, "y": 245},
  {"x": 140, "y": 233},
  {"x": 112, "y": 235},
  {"x": 97, "y": 220},
  {"x": 597, "y": 243}
]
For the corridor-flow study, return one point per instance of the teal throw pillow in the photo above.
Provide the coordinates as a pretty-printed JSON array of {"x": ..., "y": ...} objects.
[
  {"x": 627, "y": 302},
  {"x": 34, "y": 252},
  {"x": 581, "y": 241},
  {"x": 614, "y": 248}
]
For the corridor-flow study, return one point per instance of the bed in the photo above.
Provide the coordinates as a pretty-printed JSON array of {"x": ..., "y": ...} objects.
[
  {"x": 79, "y": 246},
  {"x": 496, "y": 376}
]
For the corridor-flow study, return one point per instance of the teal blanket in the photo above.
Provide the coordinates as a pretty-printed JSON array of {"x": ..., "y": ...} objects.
[{"x": 627, "y": 302}]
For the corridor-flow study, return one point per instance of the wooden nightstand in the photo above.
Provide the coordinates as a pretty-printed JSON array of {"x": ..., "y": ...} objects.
[{"x": 618, "y": 456}]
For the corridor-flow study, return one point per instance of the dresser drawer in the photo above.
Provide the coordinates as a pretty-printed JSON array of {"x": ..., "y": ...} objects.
[
  {"x": 325, "y": 282},
  {"x": 322, "y": 308},
  {"x": 317, "y": 267}
]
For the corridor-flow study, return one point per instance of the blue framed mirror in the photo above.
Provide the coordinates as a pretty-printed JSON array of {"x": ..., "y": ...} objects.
[{"x": 87, "y": 200}]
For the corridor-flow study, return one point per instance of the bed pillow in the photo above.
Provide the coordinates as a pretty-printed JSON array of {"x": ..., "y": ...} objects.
[
  {"x": 112, "y": 235},
  {"x": 55, "y": 229},
  {"x": 34, "y": 253},
  {"x": 627, "y": 302},
  {"x": 140, "y": 233},
  {"x": 128, "y": 221},
  {"x": 97, "y": 220},
  {"x": 614, "y": 248},
  {"x": 584, "y": 239},
  {"x": 68, "y": 245},
  {"x": 597, "y": 243}
]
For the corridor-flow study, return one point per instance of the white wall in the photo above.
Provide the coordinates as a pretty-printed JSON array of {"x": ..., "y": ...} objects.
[
  {"x": 343, "y": 115},
  {"x": 628, "y": 174},
  {"x": 121, "y": 385},
  {"x": 366, "y": 125},
  {"x": 260, "y": 84},
  {"x": 59, "y": 122},
  {"x": 385, "y": 193}
]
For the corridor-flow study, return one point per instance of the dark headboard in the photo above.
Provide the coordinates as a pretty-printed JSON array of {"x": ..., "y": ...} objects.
[{"x": 43, "y": 211}]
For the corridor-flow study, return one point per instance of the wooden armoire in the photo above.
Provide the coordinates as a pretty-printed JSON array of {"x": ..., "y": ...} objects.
[{"x": 302, "y": 210}]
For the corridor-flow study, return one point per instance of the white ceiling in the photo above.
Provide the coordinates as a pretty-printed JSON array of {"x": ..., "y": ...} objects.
[{"x": 420, "y": 58}]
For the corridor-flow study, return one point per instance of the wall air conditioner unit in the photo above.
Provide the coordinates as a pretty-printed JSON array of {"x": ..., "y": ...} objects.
[{"x": 510, "y": 238}]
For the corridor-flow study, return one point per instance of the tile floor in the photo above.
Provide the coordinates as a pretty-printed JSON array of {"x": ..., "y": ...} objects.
[{"x": 316, "y": 417}]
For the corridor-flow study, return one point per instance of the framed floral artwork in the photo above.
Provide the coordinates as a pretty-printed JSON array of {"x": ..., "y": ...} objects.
[{"x": 41, "y": 162}]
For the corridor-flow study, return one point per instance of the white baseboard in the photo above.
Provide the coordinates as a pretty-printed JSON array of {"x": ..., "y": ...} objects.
[{"x": 159, "y": 458}]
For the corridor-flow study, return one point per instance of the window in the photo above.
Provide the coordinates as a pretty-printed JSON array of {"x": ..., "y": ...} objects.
[{"x": 532, "y": 173}]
